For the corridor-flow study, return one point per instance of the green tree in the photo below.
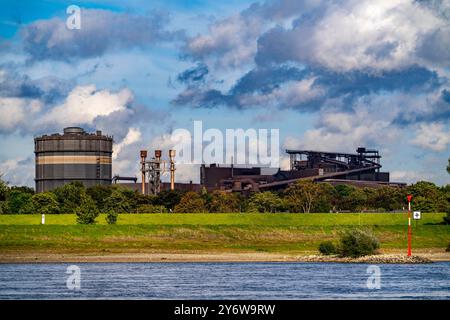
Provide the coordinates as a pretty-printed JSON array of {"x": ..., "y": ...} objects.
[
  {"x": 357, "y": 200},
  {"x": 389, "y": 198},
  {"x": 302, "y": 196},
  {"x": 45, "y": 203},
  {"x": 191, "y": 202},
  {"x": 349, "y": 198},
  {"x": 99, "y": 193},
  {"x": 448, "y": 166},
  {"x": 87, "y": 212},
  {"x": 23, "y": 189},
  {"x": 69, "y": 196},
  {"x": 168, "y": 198},
  {"x": 446, "y": 191},
  {"x": 28, "y": 208},
  {"x": 119, "y": 201},
  {"x": 3, "y": 189},
  {"x": 265, "y": 202},
  {"x": 221, "y": 201},
  {"x": 16, "y": 199},
  {"x": 447, "y": 217},
  {"x": 325, "y": 200},
  {"x": 427, "y": 197}
]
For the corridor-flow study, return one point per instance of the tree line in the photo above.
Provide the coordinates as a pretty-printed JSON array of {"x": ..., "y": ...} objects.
[{"x": 300, "y": 197}]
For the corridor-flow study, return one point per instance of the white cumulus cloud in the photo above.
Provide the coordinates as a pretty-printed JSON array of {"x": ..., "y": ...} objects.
[{"x": 433, "y": 136}]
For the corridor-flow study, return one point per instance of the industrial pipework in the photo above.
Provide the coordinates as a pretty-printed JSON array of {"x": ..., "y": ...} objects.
[
  {"x": 172, "y": 169},
  {"x": 152, "y": 169}
]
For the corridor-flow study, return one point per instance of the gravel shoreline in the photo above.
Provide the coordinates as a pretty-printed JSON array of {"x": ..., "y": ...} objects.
[
  {"x": 149, "y": 257},
  {"x": 382, "y": 258}
]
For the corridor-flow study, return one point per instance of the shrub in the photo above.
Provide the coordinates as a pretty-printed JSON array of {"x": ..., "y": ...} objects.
[
  {"x": 111, "y": 217},
  {"x": 327, "y": 248},
  {"x": 150, "y": 208},
  {"x": 265, "y": 202},
  {"x": 28, "y": 208},
  {"x": 69, "y": 196},
  {"x": 190, "y": 202},
  {"x": 120, "y": 200},
  {"x": 45, "y": 203},
  {"x": 448, "y": 248},
  {"x": 16, "y": 200},
  {"x": 447, "y": 217},
  {"x": 87, "y": 212},
  {"x": 99, "y": 193},
  {"x": 356, "y": 243}
]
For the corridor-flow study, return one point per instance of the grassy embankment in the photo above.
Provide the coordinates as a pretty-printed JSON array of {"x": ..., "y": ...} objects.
[{"x": 203, "y": 233}]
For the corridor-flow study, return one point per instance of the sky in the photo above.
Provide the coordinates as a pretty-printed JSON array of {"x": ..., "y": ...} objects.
[{"x": 330, "y": 75}]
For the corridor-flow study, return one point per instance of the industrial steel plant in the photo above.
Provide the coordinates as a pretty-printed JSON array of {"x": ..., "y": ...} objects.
[
  {"x": 73, "y": 156},
  {"x": 87, "y": 157}
]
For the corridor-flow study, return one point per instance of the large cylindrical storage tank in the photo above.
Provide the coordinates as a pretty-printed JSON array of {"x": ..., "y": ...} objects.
[{"x": 72, "y": 156}]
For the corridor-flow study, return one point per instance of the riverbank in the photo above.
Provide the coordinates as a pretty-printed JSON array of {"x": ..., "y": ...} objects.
[
  {"x": 149, "y": 256},
  {"x": 206, "y": 237}
]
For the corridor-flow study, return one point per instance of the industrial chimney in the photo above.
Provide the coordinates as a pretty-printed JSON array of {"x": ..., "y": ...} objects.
[
  {"x": 143, "y": 158},
  {"x": 172, "y": 169}
]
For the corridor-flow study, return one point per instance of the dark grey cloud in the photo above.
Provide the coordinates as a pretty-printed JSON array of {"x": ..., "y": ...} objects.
[
  {"x": 101, "y": 30},
  {"x": 348, "y": 86},
  {"x": 436, "y": 47},
  {"x": 259, "y": 80},
  {"x": 277, "y": 10},
  {"x": 437, "y": 111},
  {"x": 265, "y": 80},
  {"x": 193, "y": 75},
  {"x": 200, "y": 98},
  {"x": 48, "y": 89},
  {"x": 382, "y": 50},
  {"x": 358, "y": 83},
  {"x": 318, "y": 56}
]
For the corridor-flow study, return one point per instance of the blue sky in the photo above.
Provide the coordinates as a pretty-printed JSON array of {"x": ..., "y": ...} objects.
[{"x": 329, "y": 75}]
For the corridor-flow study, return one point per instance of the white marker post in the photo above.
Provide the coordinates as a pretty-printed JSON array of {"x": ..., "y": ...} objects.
[
  {"x": 409, "y": 197},
  {"x": 43, "y": 219}
]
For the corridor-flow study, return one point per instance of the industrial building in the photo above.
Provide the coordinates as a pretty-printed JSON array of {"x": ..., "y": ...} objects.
[
  {"x": 77, "y": 155},
  {"x": 360, "y": 169},
  {"x": 74, "y": 155}
]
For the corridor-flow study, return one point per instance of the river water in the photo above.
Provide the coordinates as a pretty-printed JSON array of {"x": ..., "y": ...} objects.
[{"x": 224, "y": 281}]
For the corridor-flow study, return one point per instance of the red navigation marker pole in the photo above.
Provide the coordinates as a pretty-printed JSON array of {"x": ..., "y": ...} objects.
[{"x": 409, "y": 197}]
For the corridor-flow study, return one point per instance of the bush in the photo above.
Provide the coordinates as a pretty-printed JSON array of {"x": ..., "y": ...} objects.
[
  {"x": 111, "y": 217},
  {"x": 327, "y": 248},
  {"x": 28, "y": 208},
  {"x": 87, "y": 212},
  {"x": 44, "y": 203},
  {"x": 16, "y": 200},
  {"x": 448, "y": 248},
  {"x": 69, "y": 196},
  {"x": 120, "y": 200},
  {"x": 447, "y": 217},
  {"x": 265, "y": 202},
  {"x": 357, "y": 243},
  {"x": 190, "y": 202},
  {"x": 150, "y": 208}
]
